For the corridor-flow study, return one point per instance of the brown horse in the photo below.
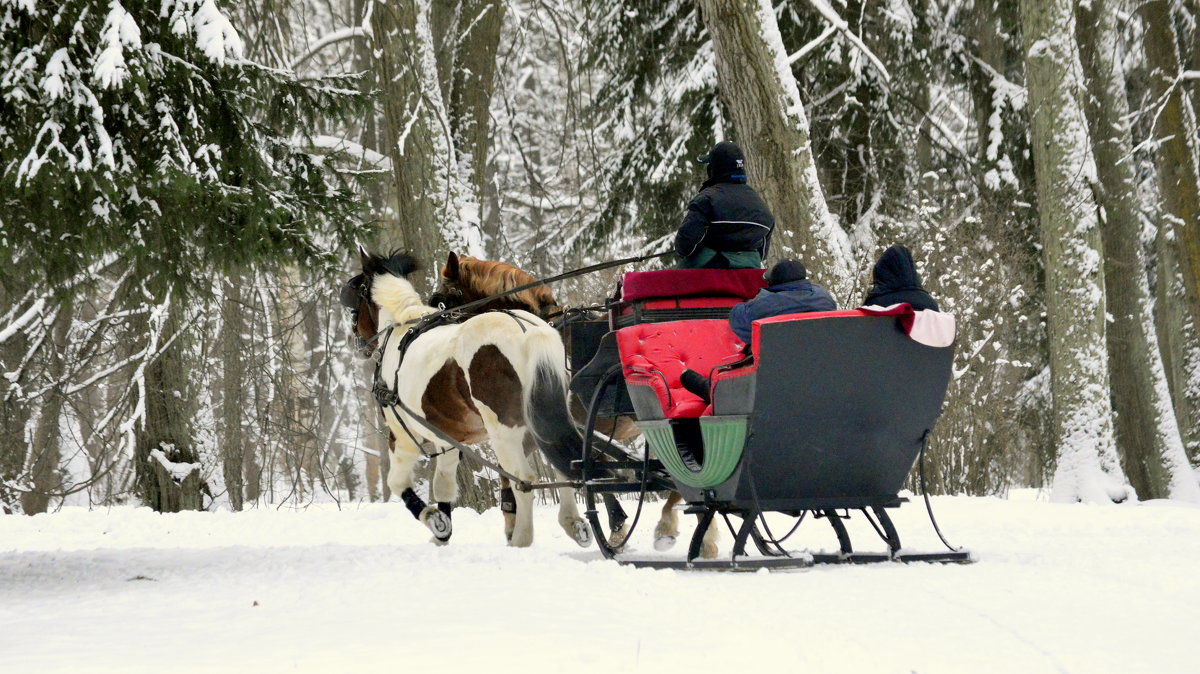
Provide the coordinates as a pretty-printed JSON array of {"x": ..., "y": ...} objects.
[
  {"x": 494, "y": 376},
  {"x": 466, "y": 279}
]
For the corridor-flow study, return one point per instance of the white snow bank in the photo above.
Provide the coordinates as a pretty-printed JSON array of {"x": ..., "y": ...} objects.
[{"x": 1058, "y": 588}]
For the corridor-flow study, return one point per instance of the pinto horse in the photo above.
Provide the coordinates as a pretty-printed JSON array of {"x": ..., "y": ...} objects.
[
  {"x": 466, "y": 279},
  {"x": 493, "y": 377}
]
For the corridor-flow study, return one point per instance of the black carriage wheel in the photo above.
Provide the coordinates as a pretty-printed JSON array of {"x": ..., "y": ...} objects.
[
  {"x": 843, "y": 536},
  {"x": 590, "y": 472}
]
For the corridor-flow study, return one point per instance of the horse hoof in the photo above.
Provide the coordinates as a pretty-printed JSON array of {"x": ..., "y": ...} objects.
[
  {"x": 664, "y": 543},
  {"x": 708, "y": 551},
  {"x": 582, "y": 533},
  {"x": 618, "y": 538},
  {"x": 439, "y": 523}
]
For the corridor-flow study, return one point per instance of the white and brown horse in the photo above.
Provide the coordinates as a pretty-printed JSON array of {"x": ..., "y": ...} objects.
[
  {"x": 466, "y": 279},
  {"x": 495, "y": 376}
]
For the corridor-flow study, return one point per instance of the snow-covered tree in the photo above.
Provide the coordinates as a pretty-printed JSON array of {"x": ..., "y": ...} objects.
[
  {"x": 1087, "y": 468},
  {"x": 137, "y": 139}
]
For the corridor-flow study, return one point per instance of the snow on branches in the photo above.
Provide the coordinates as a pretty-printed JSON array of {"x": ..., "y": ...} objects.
[{"x": 121, "y": 120}]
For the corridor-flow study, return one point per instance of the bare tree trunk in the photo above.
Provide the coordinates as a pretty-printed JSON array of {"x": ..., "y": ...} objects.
[
  {"x": 1177, "y": 339},
  {"x": 758, "y": 89},
  {"x": 231, "y": 435},
  {"x": 1175, "y": 129},
  {"x": 166, "y": 464},
  {"x": 1146, "y": 431},
  {"x": 44, "y": 469},
  {"x": 1088, "y": 468},
  {"x": 415, "y": 135},
  {"x": 477, "y": 39},
  {"x": 14, "y": 416}
]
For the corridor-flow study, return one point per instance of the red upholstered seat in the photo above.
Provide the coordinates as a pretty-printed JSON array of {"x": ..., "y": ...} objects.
[
  {"x": 742, "y": 284},
  {"x": 656, "y": 354}
]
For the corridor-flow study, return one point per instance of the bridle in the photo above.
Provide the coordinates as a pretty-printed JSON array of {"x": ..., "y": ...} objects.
[{"x": 354, "y": 295}]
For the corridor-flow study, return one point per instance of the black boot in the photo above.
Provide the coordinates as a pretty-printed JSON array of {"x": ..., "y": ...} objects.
[{"x": 696, "y": 383}]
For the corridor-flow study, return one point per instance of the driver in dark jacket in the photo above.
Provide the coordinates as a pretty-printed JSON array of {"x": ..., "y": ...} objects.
[{"x": 727, "y": 226}]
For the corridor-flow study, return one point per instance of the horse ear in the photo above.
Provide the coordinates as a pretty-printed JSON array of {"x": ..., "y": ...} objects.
[
  {"x": 450, "y": 271},
  {"x": 364, "y": 258}
]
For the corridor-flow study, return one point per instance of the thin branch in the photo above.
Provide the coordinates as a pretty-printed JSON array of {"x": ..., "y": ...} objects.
[
  {"x": 811, "y": 46},
  {"x": 332, "y": 38},
  {"x": 836, "y": 21}
]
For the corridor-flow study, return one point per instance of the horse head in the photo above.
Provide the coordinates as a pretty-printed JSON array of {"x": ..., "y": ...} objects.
[
  {"x": 357, "y": 295},
  {"x": 466, "y": 279}
]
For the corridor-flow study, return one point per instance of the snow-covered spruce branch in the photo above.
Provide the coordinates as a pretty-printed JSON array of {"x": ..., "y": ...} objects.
[
  {"x": 352, "y": 149},
  {"x": 330, "y": 39},
  {"x": 829, "y": 14}
]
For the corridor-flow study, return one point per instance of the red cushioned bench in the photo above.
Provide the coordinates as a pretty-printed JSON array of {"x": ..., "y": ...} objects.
[
  {"x": 654, "y": 355},
  {"x": 681, "y": 294}
]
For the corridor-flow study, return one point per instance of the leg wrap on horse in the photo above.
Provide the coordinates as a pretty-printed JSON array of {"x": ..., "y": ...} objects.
[
  {"x": 445, "y": 507},
  {"x": 508, "y": 501},
  {"x": 413, "y": 502},
  {"x": 616, "y": 514}
]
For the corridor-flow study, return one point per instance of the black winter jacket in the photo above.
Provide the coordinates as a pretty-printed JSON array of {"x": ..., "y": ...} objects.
[
  {"x": 895, "y": 280},
  {"x": 726, "y": 216}
]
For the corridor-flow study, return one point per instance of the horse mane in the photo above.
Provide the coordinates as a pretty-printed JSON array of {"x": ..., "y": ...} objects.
[
  {"x": 488, "y": 277},
  {"x": 390, "y": 290},
  {"x": 395, "y": 263}
]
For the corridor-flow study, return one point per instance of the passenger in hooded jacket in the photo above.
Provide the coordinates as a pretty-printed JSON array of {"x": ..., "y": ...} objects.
[
  {"x": 727, "y": 226},
  {"x": 789, "y": 292},
  {"x": 895, "y": 280}
]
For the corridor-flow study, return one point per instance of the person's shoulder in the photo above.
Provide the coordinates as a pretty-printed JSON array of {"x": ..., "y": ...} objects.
[{"x": 702, "y": 199}]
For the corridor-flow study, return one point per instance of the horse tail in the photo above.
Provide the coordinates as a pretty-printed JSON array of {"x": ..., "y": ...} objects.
[{"x": 545, "y": 402}]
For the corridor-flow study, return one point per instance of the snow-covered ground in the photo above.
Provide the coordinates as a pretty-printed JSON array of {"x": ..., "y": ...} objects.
[{"x": 1057, "y": 588}]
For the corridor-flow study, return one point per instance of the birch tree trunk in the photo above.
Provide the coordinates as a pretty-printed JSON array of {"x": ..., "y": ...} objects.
[
  {"x": 1146, "y": 430},
  {"x": 1088, "y": 468},
  {"x": 757, "y": 87},
  {"x": 1175, "y": 128}
]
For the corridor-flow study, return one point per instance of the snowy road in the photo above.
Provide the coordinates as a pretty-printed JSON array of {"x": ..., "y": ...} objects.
[{"x": 1079, "y": 589}]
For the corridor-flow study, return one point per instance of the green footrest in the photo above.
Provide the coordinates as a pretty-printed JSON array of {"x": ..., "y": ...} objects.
[{"x": 724, "y": 437}]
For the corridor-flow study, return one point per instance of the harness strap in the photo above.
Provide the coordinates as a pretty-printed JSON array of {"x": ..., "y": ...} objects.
[{"x": 518, "y": 483}]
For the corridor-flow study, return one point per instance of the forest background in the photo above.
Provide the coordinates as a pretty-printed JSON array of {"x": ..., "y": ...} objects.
[{"x": 183, "y": 183}]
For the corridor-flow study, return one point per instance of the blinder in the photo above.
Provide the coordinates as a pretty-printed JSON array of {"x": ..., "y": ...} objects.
[{"x": 352, "y": 292}]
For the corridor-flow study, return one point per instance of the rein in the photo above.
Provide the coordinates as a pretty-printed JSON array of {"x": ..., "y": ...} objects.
[{"x": 549, "y": 279}]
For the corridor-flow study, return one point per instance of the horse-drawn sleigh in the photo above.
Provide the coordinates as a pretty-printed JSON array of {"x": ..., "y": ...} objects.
[{"x": 821, "y": 414}]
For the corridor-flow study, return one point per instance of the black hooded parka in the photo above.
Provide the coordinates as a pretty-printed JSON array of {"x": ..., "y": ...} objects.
[{"x": 895, "y": 280}]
